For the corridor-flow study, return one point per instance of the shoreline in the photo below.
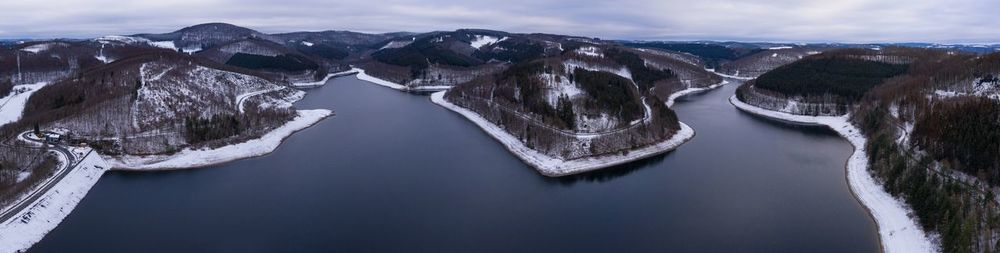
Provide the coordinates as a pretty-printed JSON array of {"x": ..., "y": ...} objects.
[
  {"x": 200, "y": 158},
  {"x": 30, "y": 225},
  {"x": 319, "y": 83},
  {"x": 897, "y": 231},
  {"x": 684, "y": 92},
  {"x": 744, "y": 78},
  {"x": 371, "y": 79},
  {"x": 554, "y": 167}
]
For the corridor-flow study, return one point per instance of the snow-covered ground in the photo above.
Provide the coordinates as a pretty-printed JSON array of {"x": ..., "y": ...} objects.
[
  {"x": 670, "y": 100},
  {"x": 898, "y": 231},
  {"x": 193, "y": 158},
  {"x": 379, "y": 81},
  {"x": 622, "y": 71},
  {"x": 12, "y": 106},
  {"x": 136, "y": 40},
  {"x": 730, "y": 76},
  {"x": 241, "y": 99},
  {"x": 31, "y": 224},
  {"x": 37, "y": 48},
  {"x": 555, "y": 167},
  {"x": 483, "y": 40},
  {"x": 590, "y": 51},
  {"x": 325, "y": 79},
  {"x": 365, "y": 77}
]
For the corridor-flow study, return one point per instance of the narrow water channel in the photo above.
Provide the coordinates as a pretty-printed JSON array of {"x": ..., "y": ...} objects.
[{"x": 393, "y": 172}]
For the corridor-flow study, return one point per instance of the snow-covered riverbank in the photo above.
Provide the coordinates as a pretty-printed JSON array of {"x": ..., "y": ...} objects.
[
  {"x": 379, "y": 81},
  {"x": 730, "y": 76},
  {"x": 194, "y": 158},
  {"x": 897, "y": 230},
  {"x": 325, "y": 79},
  {"x": 675, "y": 95},
  {"x": 554, "y": 167},
  {"x": 31, "y": 224}
]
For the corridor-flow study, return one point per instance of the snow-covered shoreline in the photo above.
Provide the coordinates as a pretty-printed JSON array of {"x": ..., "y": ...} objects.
[
  {"x": 325, "y": 79},
  {"x": 554, "y": 167},
  {"x": 898, "y": 232},
  {"x": 365, "y": 77},
  {"x": 675, "y": 95},
  {"x": 730, "y": 76},
  {"x": 32, "y": 224},
  {"x": 191, "y": 158}
]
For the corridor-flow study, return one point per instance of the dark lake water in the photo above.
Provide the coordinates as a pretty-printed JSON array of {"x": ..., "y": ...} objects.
[{"x": 394, "y": 172}]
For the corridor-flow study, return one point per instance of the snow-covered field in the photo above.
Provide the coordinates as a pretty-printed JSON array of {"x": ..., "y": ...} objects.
[
  {"x": 898, "y": 231},
  {"x": 31, "y": 224},
  {"x": 194, "y": 158},
  {"x": 555, "y": 167},
  {"x": 12, "y": 106}
]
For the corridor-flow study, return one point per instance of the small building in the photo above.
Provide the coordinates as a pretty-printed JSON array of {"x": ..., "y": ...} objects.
[{"x": 52, "y": 138}]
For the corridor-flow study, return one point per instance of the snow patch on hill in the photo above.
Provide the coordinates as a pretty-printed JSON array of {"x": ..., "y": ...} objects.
[
  {"x": 590, "y": 51},
  {"x": 37, "y": 48},
  {"x": 899, "y": 232},
  {"x": 135, "y": 40},
  {"x": 397, "y": 44},
  {"x": 12, "y": 106},
  {"x": 618, "y": 70},
  {"x": 482, "y": 40}
]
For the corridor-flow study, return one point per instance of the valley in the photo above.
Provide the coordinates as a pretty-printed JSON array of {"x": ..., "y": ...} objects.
[{"x": 729, "y": 139}]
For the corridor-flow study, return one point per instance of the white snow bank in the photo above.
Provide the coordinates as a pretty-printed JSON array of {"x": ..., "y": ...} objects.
[
  {"x": 781, "y": 47},
  {"x": 193, "y": 158},
  {"x": 379, "y": 81},
  {"x": 306, "y": 43},
  {"x": 365, "y": 77},
  {"x": 675, "y": 95},
  {"x": 12, "y": 106},
  {"x": 555, "y": 167},
  {"x": 730, "y": 76},
  {"x": 899, "y": 232},
  {"x": 325, "y": 79},
  {"x": 31, "y": 224}
]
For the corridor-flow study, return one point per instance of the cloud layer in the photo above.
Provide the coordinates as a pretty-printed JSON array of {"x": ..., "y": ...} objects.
[{"x": 971, "y": 21}]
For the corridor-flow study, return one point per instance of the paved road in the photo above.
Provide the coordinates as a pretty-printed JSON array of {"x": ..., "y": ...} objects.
[{"x": 45, "y": 187}]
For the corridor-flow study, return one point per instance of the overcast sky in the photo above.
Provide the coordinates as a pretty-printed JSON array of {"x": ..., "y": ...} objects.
[{"x": 972, "y": 21}]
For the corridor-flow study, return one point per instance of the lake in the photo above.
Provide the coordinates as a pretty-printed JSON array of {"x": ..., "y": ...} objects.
[{"x": 394, "y": 172}]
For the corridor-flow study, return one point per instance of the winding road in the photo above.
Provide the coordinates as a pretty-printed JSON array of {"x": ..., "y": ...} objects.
[{"x": 40, "y": 191}]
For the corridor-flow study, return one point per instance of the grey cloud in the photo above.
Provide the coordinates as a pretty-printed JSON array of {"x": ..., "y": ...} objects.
[{"x": 771, "y": 20}]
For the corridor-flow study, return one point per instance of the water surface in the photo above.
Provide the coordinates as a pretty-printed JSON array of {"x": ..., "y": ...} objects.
[{"x": 394, "y": 172}]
